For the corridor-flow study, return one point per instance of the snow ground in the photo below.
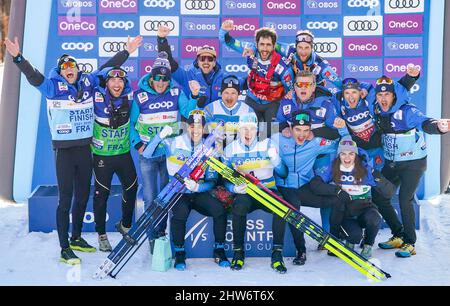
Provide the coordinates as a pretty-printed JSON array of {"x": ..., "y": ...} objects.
[{"x": 32, "y": 259}]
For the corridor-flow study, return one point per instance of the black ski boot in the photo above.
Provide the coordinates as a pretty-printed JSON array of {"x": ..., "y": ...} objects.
[
  {"x": 238, "y": 259},
  {"x": 277, "y": 262},
  {"x": 219, "y": 256},
  {"x": 180, "y": 259},
  {"x": 300, "y": 259}
]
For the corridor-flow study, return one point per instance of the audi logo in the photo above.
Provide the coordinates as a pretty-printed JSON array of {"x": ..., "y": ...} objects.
[
  {"x": 153, "y": 25},
  {"x": 200, "y": 5},
  {"x": 86, "y": 67},
  {"x": 362, "y": 25},
  {"x": 323, "y": 47},
  {"x": 396, "y": 4},
  {"x": 364, "y": 3},
  {"x": 114, "y": 46}
]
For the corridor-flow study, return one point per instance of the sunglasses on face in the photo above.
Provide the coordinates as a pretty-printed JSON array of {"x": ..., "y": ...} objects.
[
  {"x": 163, "y": 78},
  {"x": 68, "y": 65},
  {"x": 206, "y": 58},
  {"x": 306, "y": 85},
  {"x": 385, "y": 81},
  {"x": 117, "y": 73}
]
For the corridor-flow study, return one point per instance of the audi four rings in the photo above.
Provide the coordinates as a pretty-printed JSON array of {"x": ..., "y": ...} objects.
[
  {"x": 325, "y": 47},
  {"x": 363, "y": 25},
  {"x": 86, "y": 67},
  {"x": 114, "y": 46},
  {"x": 395, "y": 4},
  {"x": 153, "y": 25},
  {"x": 200, "y": 5}
]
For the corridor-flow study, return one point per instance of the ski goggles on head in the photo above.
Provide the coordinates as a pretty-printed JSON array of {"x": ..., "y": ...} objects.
[
  {"x": 117, "y": 73},
  {"x": 232, "y": 80},
  {"x": 67, "y": 65},
  {"x": 347, "y": 142},
  {"x": 350, "y": 83},
  {"x": 196, "y": 116},
  {"x": 163, "y": 78},
  {"x": 384, "y": 80},
  {"x": 302, "y": 117},
  {"x": 306, "y": 85},
  {"x": 304, "y": 38},
  {"x": 206, "y": 58}
]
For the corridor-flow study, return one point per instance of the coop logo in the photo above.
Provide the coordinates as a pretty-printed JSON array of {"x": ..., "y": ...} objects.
[
  {"x": 281, "y": 7},
  {"x": 404, "y": 46},
  {"x": 404, "y": 24},
  {"x": 82, "y": 26},
  {"x": 236, "y": 68},
  {"x": 200, "y": 7},
  {"x": 363, "y": 3},
  {"x": 118, "y": 6},
  {"x": 329, "y": 47},
  {"x": 108, "y": 46},
  {"x": 325, "y": 25},
  {"x": 358, "y": 117},
  {"x": 197, "y": 232},
  {"x": 404, "y": 6},
  {"x": 363, "y": 47},
  {"x": 150, "y": 24},
  {"x": 166, "y": 4},
  {"x": 77, "y": 46},
  {"x": 122, "y": 25},
  {"x": 159, "y": 105},
  {"x": 363, "y": 25}
]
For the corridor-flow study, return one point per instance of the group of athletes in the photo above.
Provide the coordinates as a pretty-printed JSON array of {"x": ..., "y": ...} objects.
[{"x": 344, "y": 152}]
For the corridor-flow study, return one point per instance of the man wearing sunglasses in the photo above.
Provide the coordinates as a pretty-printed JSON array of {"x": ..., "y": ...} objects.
[
  {"x": 205, "y": 69},
  {"x": 69, "y": 94},
  {"x": 157, "y": 103},
  {"x": 402, "y": 126},
  {"x": 228, "y": 109},
  {"x": 298, "y": 154},
  {"x": 111, "y": 150},
  {"x": 270, "y": 77}
]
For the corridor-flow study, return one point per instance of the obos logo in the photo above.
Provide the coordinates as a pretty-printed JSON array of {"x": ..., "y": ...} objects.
[
  {"x": 328, "y": 47},
  {"x": 149, "y": 24},
  {"x": 404, "y": 6},
  {"x": 363, "y": 25},
  {"x": 204, "y": 27},
  {"x": 353, "y": 68},
  {"x": 77, "y": 46},
  {"x": 324, "y": 25},
  {"x": 83, "y": 26},
  {"x": 363, "y": 69},
  {"x": 167, "y": 4},
  {"x": 118, "y": 6},
  {"x": 404, "y": 46},
  {"x": 236, "y": 5},
  {"x": 284, "y": 26},
  {"x": 323, "y": 7},
  {"x": 108, "y": 46},
  {"x": 87, "y": 65},
  {"x": 200, "y": 7},
  {"x": 122, "y": 25},
  {"x": 363, "y": 3},
  {"x": 76, "y": 6}
]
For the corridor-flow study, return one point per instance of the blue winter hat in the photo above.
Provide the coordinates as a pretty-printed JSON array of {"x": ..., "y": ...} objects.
[
  {"x": 162, "y": 66},
  {"x": 385, "y": 84}
]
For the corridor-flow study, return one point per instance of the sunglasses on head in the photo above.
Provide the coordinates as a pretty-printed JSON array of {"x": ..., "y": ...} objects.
[
  {"x": 117, "y": 73},
  {"x": 163, "y": 78},
  {"x": 68, "y": 65},
  {"x": 206, "y": 58},
  {"x": 385, "y": 81},
  {"x": 306, "y": 85},
  {"x": 304, "y": 38}
]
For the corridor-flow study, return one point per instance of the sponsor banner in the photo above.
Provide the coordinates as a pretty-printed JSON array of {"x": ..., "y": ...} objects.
[
  {"x": 109, "y": 46},
  {"x": 328, "y": 47},
  {"x": 80, "y": 26},
  {"x": 149, "y": 25},
  {"x": 77, "y": 7},
  {"x": 200, "y": 7},
  {"x": 241, "y": 7},
  {"x": 145, "y": 67},
  {"x": 322, "y": 7},
  {"x": 363, "y": 25},
  {"x": 403, "y": 46},
  {"x": 404, "y": 7},
  {"x": 363, "y": 46},
  {"x": 149, "y": 47},
  {"x": 396, "y": 67},
  {"x": 281, "y": 7},
  {"x": 336, "y": 65},
  {"x": 363, "y": 69},
  {"x": 243, "y": 26},
  {"x": 163, "y": 7},
  {"x": 190, "y": 46},
  {"x": 363, "y": 7},
  {"x": 87, "y": 65},
  {"x": 118, "y": 25},
  {"x": 118, "y": 6},
  {"x": 323, "y": 26},
  {"x": 284, "y": 26},
  {"x": 228, "y": 52},
  {"x": 130, "y": 66},
  {"x": 403, "y": 24},
  {"x": 200, "y": 27},
  {"x": 77, "y": 48},
  {"x": 237, "y": 67}
]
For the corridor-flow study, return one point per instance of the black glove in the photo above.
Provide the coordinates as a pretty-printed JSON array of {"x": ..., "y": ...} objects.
[
  {"x": 343, "y": 196},
  {"x": 201, "y": 101}
]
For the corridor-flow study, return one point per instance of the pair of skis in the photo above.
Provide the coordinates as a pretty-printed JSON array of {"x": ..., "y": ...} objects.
[
  {"x": 193, "y": 168},
  {"x": 285, "y": 210}
]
